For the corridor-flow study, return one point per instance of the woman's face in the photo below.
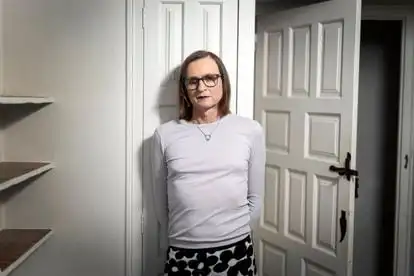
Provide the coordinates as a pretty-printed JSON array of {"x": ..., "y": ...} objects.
[{"x": 204, "y": 84}]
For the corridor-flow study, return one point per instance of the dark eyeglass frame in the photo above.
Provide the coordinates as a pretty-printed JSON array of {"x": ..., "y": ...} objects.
[{"x": 213, "y": 77}]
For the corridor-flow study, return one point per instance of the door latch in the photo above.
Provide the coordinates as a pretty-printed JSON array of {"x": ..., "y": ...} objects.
[
  {"x": 406, "y": 161},
  {"x": 342, "y": 224},
  {"x": 347, "y": 172}
]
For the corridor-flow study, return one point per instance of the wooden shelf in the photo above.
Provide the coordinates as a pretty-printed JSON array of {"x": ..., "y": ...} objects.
[
  {"x": 13, "y": 100},
  {"x": 13, "y": 173},
  {"x": 16, "y": 245}
]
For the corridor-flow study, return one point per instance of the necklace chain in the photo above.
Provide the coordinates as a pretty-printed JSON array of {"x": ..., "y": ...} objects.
[{"x": 207, "y": 136}]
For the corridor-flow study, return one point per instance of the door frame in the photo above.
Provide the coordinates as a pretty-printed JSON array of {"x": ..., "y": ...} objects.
[
  {"x": 404, "y": 190},
  {"x": 134, "y": 103},
  {"x": 134, "y": 89}
]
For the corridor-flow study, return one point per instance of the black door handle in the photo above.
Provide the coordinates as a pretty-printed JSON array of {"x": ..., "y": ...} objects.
[
  {"x": 340, "y": 171},
  {"x": 347, "y": 172}
]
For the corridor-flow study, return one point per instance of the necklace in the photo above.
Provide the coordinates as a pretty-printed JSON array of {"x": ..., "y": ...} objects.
[{"x": 207, "y": 136}]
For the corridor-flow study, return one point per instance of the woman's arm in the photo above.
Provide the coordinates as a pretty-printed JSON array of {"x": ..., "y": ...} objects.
[
  {"x": 159, "y": 181},
  {"x": 256, "y": 176}
]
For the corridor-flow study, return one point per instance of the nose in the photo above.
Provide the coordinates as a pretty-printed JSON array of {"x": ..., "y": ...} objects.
[{"x": 201, "y": 86}]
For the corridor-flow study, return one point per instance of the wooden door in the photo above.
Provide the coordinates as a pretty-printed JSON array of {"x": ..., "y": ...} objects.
[{"x": 307, "y": 62}]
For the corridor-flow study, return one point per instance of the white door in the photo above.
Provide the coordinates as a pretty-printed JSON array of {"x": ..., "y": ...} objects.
[
  {"x": 173, "y": 29},
  {"x": 306, "y": 99}
]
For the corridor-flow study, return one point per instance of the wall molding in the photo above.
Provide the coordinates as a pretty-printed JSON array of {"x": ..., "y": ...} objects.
[
  {"x": 246, "y": 58},
  {"x": 134, "y": 137}
]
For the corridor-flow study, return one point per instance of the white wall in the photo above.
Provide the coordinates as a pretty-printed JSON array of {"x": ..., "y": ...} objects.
[{"x": 74, "y": 51}]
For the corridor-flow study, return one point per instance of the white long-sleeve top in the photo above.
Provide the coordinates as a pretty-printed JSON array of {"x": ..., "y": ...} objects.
[{"x": 208, "y": 193}]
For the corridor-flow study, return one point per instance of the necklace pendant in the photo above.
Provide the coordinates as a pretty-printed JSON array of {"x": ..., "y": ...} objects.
[{"x": 208, "y": 137}]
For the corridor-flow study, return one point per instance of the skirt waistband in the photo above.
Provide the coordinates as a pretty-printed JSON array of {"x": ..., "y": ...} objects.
[{"x": 219, "y": 248}]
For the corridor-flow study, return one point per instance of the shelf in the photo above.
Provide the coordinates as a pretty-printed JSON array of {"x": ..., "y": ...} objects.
[
  {"x": 16, "y": 245},
  {"x": 13, "y": 100},
  {"x": 13, "y": 173}
]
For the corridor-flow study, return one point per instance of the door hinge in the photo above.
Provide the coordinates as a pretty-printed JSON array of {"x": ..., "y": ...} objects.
[
  {"x": 142, "y": 225},
  {"x": 143, "y": 17}
]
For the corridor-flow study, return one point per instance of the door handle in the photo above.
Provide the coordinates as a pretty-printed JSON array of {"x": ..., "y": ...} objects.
[{"x": 347, "y": 172}]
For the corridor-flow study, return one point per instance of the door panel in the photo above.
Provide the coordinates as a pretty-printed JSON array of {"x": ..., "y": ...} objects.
[
  {"x": 307, "y": 63},
  {"x": 172, "y": 30}
]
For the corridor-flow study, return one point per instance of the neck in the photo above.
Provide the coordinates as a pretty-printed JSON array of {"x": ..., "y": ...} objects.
[{"x": 205, "y": 117}]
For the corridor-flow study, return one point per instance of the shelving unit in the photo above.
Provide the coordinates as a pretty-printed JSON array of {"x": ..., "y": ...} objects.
[
  {"x": 13, "y": 100},
  {"x": 16, "y": 245},
  {"x": 14, "y": 173}
]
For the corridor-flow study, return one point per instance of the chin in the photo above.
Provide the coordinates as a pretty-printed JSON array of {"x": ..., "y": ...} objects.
[{"x": 206, "y": 106}]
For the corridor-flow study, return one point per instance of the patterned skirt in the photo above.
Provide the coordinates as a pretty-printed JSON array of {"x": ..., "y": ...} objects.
[{"x": 235, "y": 259}]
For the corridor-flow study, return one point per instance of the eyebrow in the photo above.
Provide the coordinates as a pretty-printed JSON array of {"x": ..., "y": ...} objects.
[{"x": 200, "y": 76}]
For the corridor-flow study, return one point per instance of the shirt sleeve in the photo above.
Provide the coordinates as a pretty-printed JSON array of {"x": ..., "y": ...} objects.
[
  {"x": 159, "y": 183},
  {"x": 256, "y": 177}
]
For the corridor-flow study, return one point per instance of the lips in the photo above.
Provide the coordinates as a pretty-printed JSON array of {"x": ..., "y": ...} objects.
[{"x": 202, "y": 97}]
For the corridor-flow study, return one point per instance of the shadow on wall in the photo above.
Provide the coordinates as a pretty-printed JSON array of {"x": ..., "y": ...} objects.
[
  {"x": 10, "y": 115},
  {"x": 153, "y": 257}
]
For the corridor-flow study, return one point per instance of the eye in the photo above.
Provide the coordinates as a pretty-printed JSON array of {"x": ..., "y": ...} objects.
[
  {"x": 192, "y": 81},
  {"x": 211, "y": 77}
]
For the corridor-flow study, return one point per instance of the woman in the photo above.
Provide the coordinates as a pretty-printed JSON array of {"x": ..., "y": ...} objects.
[{"x": 208, "y": 170}]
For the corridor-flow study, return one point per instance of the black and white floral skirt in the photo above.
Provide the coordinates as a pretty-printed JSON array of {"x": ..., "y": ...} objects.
[{"x": 235, "y": 259}]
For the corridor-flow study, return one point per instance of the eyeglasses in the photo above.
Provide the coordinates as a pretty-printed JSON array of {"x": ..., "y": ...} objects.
[{"x": 209, "y": 80}]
